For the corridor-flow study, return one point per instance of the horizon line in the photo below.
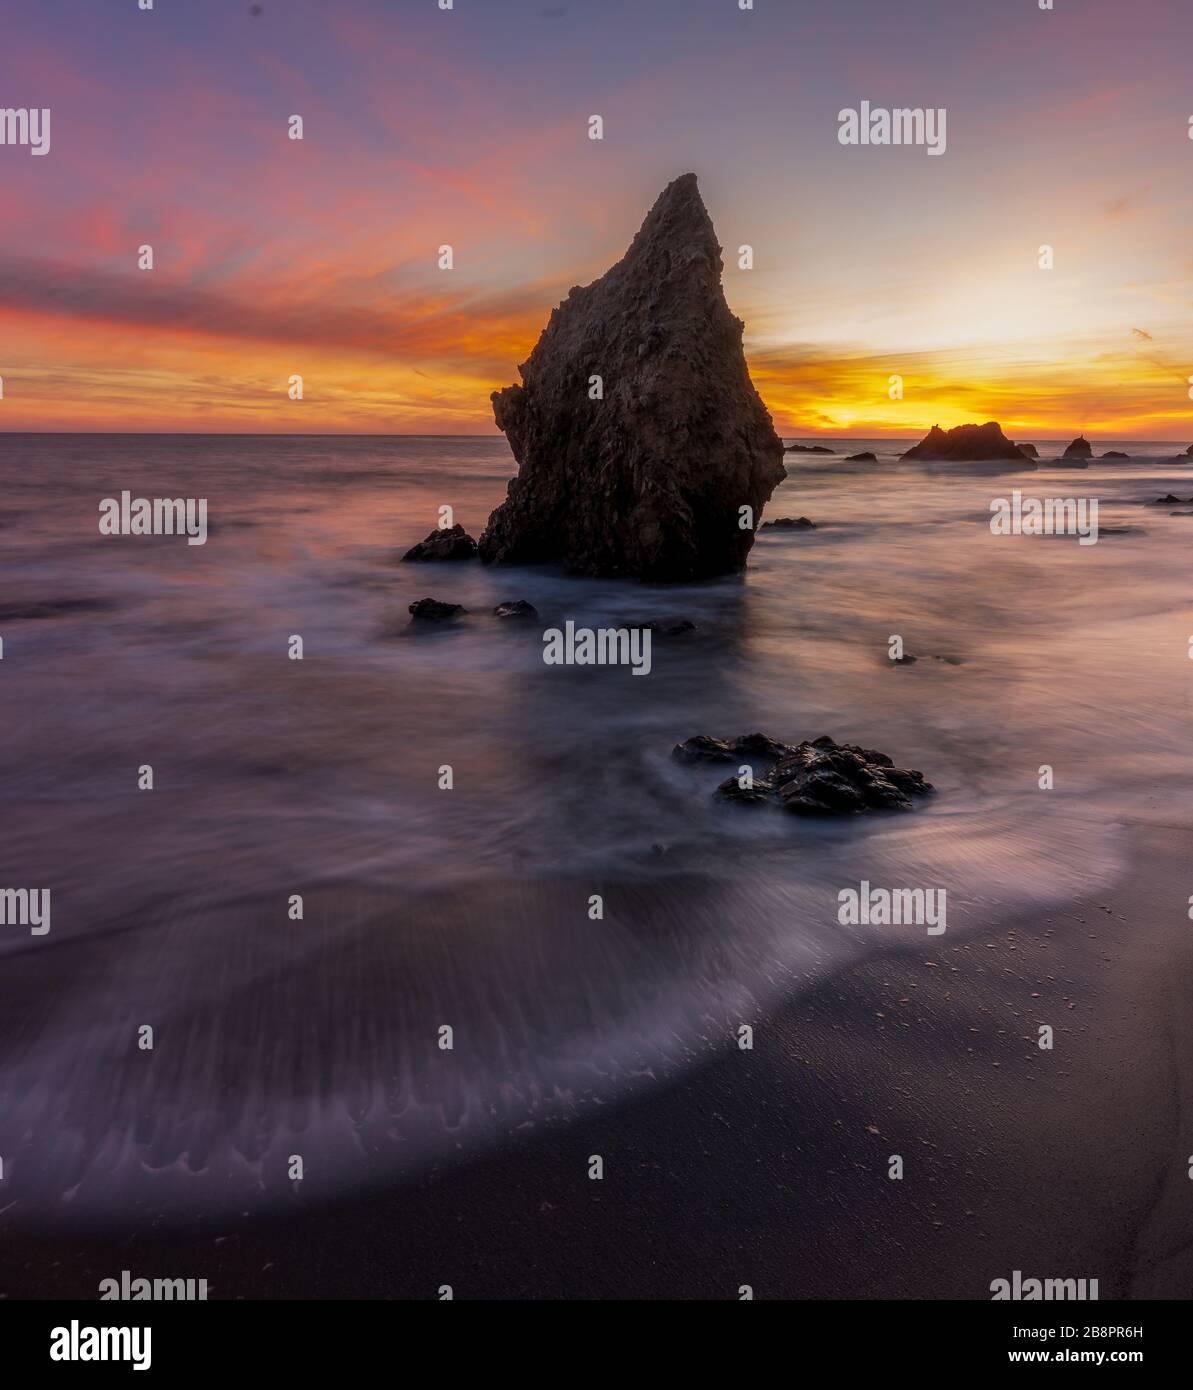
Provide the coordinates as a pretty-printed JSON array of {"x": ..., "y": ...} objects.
[{"x": 433, "y": 434}]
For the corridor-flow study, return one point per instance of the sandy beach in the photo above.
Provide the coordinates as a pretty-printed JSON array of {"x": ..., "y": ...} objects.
[{"x": 769, "y": 1167}]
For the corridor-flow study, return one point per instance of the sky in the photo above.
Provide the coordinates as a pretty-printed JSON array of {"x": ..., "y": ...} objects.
[{"x": 469, "y": 127}]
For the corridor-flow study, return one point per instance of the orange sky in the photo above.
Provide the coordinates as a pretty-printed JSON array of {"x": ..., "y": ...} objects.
[{"x": 275, "y": 257}]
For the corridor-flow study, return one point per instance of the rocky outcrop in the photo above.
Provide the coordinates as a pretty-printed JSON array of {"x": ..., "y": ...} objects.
[
  {"x": 1080, "y": 448},
  {"x": 1028, "y": 450},
  {"x": 865, "y": 457},
  {"x": 816, "y": 778},
  {"x": 515, "y": 608},
  {"x": 430, "y": 610},
  {"x": 637, "y": 430},
  {"x": 451, "y": 543},
  {"x": 1114, "y": 454},
  {"x": 806, "y": 449},
  {"x": 965, "y": 444},
  {"x": 789, "y": 523}
]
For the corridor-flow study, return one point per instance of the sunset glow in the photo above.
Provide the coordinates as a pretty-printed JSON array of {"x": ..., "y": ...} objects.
[{"x": 318, "y": 257}]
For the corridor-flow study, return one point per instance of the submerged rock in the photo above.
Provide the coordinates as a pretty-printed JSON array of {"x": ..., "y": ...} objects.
[
  {"x": 450, "y": 543},
  {"x": 1168, "y": 500},
  {"x": 516, "y": 608},
  {"x": 806, "y": 449},
  {"x": 789, "y": 523},
  {"x": 1080, "y": 448},
  {"x": 668, "y": 627},
  {"x": 865, "y": 457},
  {"x": 430, "y": 610},
  {"x": 965, "y": 444},
  {"x": 816, "y": 778},
  {"x": 1114, "y": 454},
  {"x": 647, "y": 480}
]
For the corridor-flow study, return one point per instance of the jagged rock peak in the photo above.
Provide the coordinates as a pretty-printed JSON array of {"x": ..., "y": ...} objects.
[{"x": 638, "y": 433}]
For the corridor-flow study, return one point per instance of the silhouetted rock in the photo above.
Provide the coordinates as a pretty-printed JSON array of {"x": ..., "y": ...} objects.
[
  {"x": 817, "y": 778},
  {"x": 430, "y": 610},
  {"x": 1189, "y": 451},
  {"x": 806, "y": 449},
  {"x": 1114, "y": 454},
  {"x": 965, "y": 444},
  {"x": 516, "y": 608},
  {"x": 647, "y": 481},
  {"x": 450, "y": 543},
  {"x": 865, "y": 457},
  {"x": 789, "y": 523},
  {"x": 1028, "y": 450},
  {"x": 1080, "y": 448},
  {"x": 1169, "y": 500}
]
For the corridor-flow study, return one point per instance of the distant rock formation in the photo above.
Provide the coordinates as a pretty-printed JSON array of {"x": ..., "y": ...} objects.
[
  {"x": 638, "y": 432},
  {"x": 451, "y": 543},
  {"x": 865, "y": 457},
  {"x": 965, "y": 444},
  {"x": 1114, "y": 454},
  {"x": 789, "y": 523},
  {"x": 806, "y": 449},
  {"x": 1028, "y": 450},
  {"x": 817, "y": 778},
  {"x": 1189, "y": 451},
  {"x": 1080, "y": 448}
]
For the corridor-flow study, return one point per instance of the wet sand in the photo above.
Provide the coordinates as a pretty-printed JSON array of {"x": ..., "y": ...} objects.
[{"x": 769, "y": 1167}]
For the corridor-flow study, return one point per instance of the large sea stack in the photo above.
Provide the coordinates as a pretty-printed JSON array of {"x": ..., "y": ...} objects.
[
  {"x": 966, "y": 444},
  {"x": 647, "y": 479}
]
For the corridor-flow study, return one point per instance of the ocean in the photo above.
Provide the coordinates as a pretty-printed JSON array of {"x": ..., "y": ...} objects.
[{"x": 471, "y": 909}]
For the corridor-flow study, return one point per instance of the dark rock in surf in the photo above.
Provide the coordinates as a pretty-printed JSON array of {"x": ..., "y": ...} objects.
[
  {"x": 865, "y": 457},
  {"x": 1114, "y": 454},
  {"x": 704, "y": 749},
  {"x": 1080, "y": 448},
  {"x": 430, "y": 610},
  {"x": 450, "y": 543},
  {"x": 1028, "y": 450},
  {"x": 965, "y": 444},
  {"x": 789, "y": 523},
  {"x": 516, "y": 608},
  {"x": 668, "y": 627},
  {"x": 806, "y": 449},
  {"x": 648, "y": 480},
  {"x": 816, "y": 778}
]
